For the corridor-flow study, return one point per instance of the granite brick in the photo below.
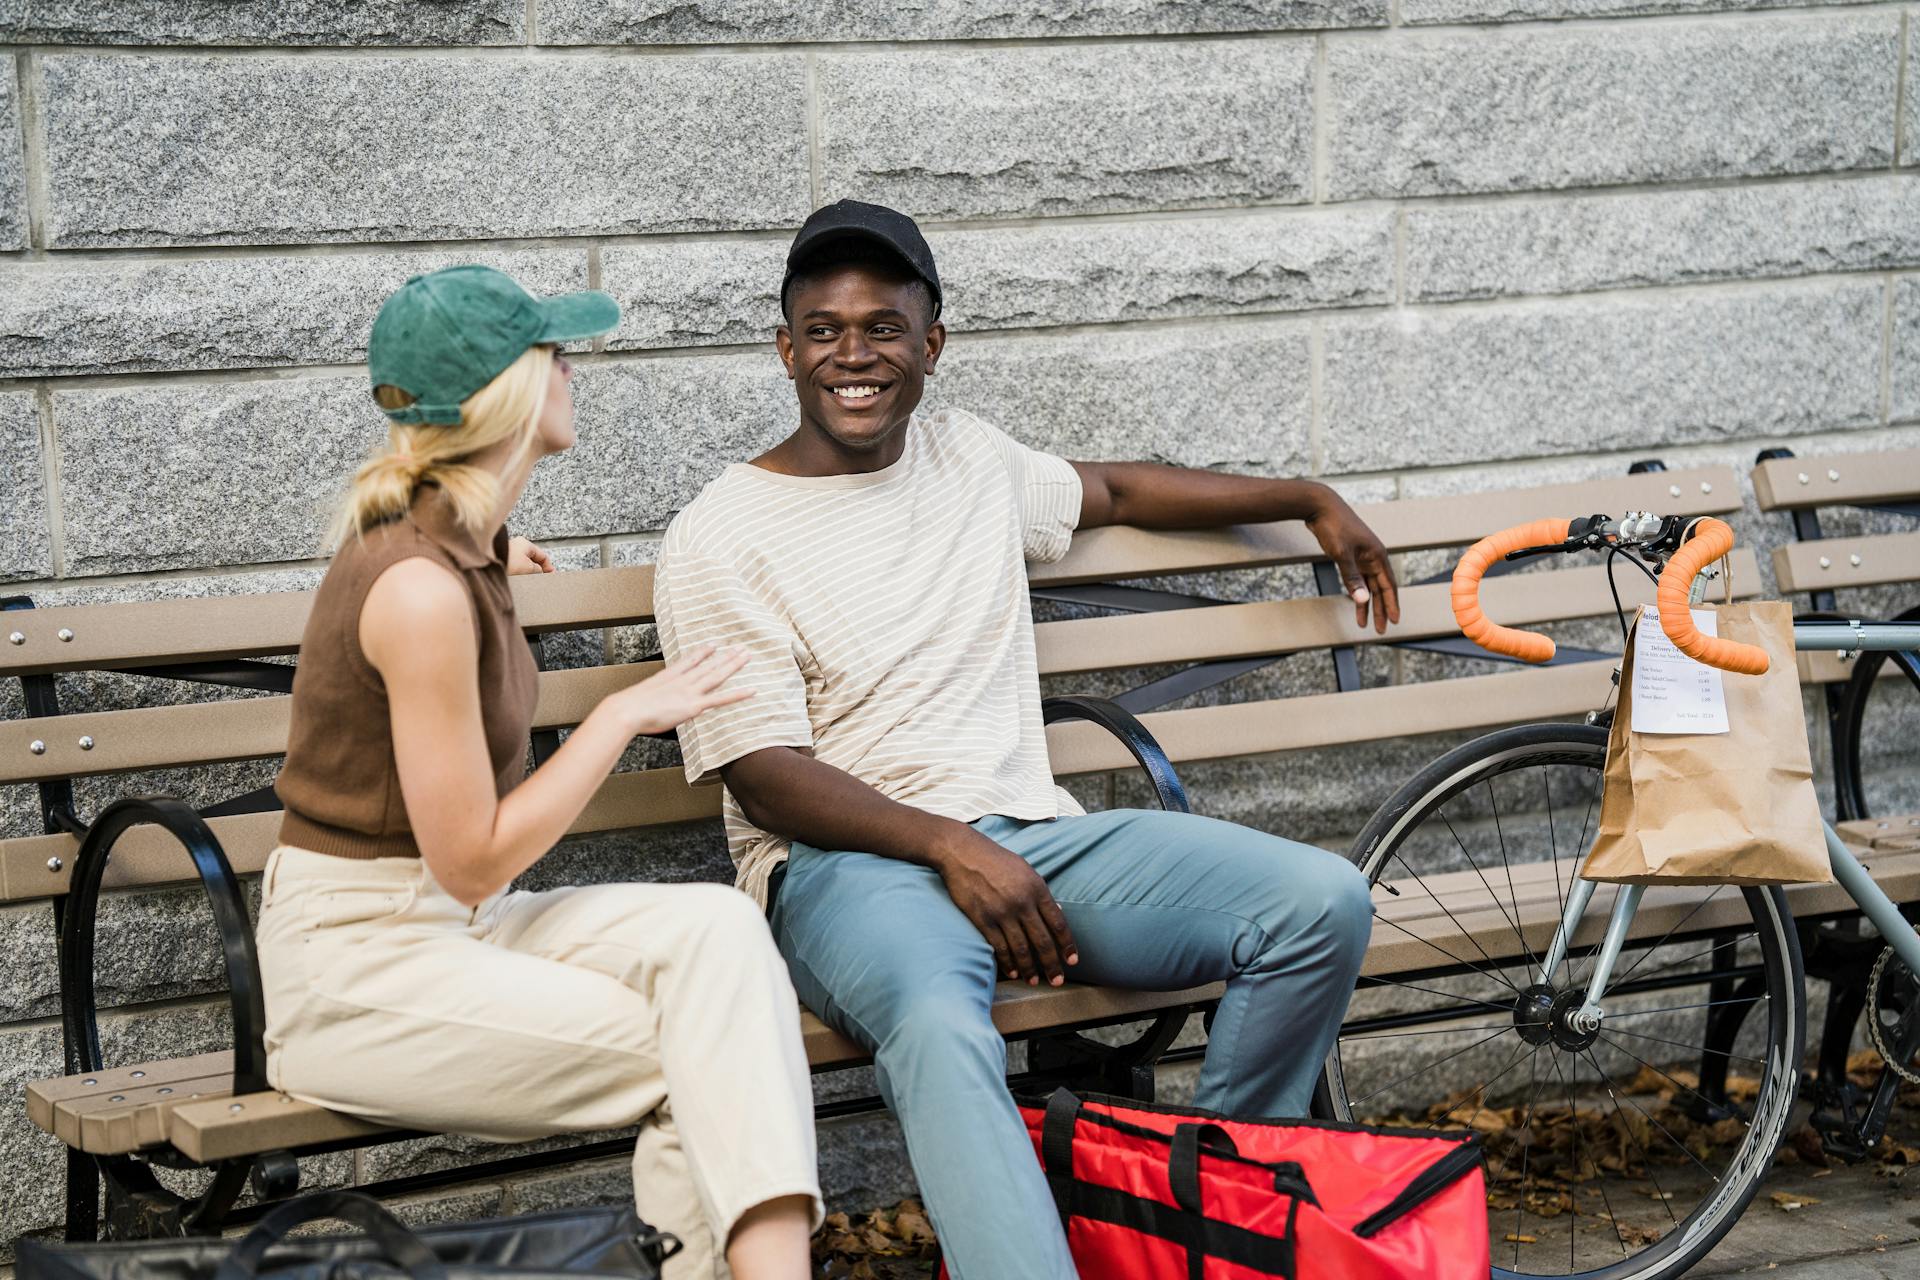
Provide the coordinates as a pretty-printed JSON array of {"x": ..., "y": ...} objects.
[
  {"x": 271, "y": 150},
  {"x": 1200, "y": 395},
  {"x": 1425, "y": 388},
  {"x": 257, "y": 22},
  {"x": 180, "y": 475},
  {"x": 13, "y": 167},
  {"x": 26, "y": 548},
  {"x": 117, "y": 316},
  {"x": 1428, "y": 12},
  {"x": 1020, "y": 132},
  {"x": 1906, "y": 348},
  {"x": 716, "y": 21},
  {"x": 1590, "y": 107},
  {"x": 1571, "y": 245},
  {"x": 698, "y": 293}
]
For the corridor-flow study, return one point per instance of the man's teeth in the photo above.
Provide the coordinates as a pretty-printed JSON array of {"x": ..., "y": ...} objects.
[{"x": 856, "y": 393}]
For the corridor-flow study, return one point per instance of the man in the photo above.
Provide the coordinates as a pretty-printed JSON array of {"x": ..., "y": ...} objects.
[{"x": 888, "y": 791}]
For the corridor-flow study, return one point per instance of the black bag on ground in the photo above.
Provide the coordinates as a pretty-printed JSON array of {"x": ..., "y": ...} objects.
[{"x": 602, "y": 1242}]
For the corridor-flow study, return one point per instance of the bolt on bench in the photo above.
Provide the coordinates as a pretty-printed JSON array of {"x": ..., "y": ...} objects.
[{"x": 215, "y": 1111}]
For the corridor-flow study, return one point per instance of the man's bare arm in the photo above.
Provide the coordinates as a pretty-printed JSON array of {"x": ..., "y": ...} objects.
[
  {"x": 791, "y": 794},
  {"x": 1151, "y": 496}
]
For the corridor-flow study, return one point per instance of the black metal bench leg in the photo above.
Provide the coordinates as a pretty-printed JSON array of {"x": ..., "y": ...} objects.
[{"x": 83, "y": 1199}]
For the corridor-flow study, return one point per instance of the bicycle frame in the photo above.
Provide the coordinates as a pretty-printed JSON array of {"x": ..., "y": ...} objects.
[{"x": 1845, "y": 637}]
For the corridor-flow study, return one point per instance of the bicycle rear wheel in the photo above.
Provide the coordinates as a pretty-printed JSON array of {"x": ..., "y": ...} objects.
[
  {"x": 1621, "y": 1154},
  {"x": 1878, "y": 722}
]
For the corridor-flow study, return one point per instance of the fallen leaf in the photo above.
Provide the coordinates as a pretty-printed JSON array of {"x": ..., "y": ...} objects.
[
  {"x": 1791, "y": 1200},
  {"x": 1518, "y": 1239}
]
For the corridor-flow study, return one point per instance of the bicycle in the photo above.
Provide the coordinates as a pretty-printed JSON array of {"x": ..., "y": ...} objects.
[{"x": 1584, "y": 1017}]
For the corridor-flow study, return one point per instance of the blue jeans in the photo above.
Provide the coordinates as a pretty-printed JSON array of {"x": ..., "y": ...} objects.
[{"x": 1156, "y": 901}]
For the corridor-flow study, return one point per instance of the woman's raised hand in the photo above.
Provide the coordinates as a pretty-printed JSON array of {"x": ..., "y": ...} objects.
[
  {"x": 526, "y": 556},
  {"x": 681, "y": 690}
]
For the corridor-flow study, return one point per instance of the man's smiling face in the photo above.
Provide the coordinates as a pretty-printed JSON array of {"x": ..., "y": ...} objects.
[{"x": 859, "y": 344}]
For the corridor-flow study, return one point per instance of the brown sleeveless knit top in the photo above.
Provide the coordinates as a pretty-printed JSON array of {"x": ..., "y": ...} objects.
[{"x": 339, "y": 784}]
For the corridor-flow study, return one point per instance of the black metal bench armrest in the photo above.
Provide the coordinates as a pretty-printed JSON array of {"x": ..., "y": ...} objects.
[
  {"x": 1133, "y": 735},
  {"x": 78, "y": 1009}
]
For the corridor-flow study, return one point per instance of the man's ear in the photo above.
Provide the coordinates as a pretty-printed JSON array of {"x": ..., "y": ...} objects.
[
  {"x": 783, "y": 342},
  {"x": 936, "y": 343}
]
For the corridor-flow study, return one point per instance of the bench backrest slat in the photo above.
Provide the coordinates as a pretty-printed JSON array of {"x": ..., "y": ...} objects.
[
  {"x": 214, "y": 629},
  {"x": 1888, "y": 476},
  {"x": 1409, "y": 524},
  {"x": 253, "y": 728},
  {"x": 1829, "y": 564}
]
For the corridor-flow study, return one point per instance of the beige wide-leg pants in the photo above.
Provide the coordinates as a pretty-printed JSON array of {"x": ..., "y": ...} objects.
[{"x": 534, "y": 1014}]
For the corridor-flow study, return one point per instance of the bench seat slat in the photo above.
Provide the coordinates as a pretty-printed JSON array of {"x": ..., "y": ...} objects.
[{"x": 1890, "y": 475}]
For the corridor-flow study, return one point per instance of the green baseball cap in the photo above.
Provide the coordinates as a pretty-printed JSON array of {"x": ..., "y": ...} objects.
[{"x": 443, "y": 336}]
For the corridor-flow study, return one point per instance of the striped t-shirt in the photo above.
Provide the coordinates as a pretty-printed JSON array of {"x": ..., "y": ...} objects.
[{"x": 886, "y": 620}]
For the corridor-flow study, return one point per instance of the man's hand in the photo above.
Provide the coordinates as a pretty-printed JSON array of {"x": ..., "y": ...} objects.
[
  {"x": 524, "y": 557},
  {"x": 1008, "y": 903},
  {"x": 1361, "y": 559}
]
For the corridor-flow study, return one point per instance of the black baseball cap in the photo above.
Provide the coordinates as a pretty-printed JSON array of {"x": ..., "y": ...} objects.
[{"x": 888, "y": 229}]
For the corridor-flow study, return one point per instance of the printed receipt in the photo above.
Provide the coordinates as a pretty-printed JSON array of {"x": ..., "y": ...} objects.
[{"x": 1671, "y": 692}]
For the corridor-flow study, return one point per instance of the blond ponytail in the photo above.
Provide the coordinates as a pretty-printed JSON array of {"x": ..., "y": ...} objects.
[{"x": 506, "y": 409}]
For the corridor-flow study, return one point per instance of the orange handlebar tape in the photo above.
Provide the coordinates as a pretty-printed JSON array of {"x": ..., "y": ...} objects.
[
  {"x": 1528, "y": 646},
  {"x": 1711, "y": 540}
]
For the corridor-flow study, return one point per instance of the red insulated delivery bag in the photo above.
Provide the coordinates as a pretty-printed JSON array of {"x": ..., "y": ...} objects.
[{"x": 1168, "y": 1193}]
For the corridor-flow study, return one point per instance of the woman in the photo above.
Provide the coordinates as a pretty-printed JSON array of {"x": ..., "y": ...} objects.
[{"x": 403, "y": 982}]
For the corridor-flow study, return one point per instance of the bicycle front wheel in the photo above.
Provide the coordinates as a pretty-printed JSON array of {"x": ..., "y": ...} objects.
[{"x": 1624, "y": 1153}]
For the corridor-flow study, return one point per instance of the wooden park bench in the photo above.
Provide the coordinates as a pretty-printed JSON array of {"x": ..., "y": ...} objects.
[{"x": 214, "y": 1111}]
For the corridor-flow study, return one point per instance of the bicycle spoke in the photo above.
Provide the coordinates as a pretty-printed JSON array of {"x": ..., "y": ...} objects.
[
  {"x": 1553, "y": 843},
  {"x": 1499, "y": 834},
  {"x": 1675, "y": 1083},
  {"x": 1511, "y": 922},
  {"x": 1394, "y": 1084},
  {"x": 1687, "y": 959},
  {"x": 1526, "y": 1127},
  {"x": 1430, "y": 1031},
  {"x": 1421, "y": 881},
  {"x": 1670, "y": 932},
  {"x": 1645, "y": 1155},
  {"x": 1485, "y": 1087},
  {"x": 1708, "y": 1004},
  {"x": 1573, "y": 1180},
  {"x": 1465, "y": 964},
  {"x": 1684, "y": 1149},
  {"x": 1433, "y": 991},
  {"x": 1696, "y": 1048}
]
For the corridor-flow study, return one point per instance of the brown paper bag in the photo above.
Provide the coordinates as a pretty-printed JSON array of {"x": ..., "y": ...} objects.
[{"x": 1717, "y": 808}]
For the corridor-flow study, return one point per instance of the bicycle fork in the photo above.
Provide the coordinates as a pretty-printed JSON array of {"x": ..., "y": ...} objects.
[{"x": 1588, "y": 1016}]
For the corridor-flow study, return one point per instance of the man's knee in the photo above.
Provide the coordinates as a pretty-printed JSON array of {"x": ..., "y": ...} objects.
[
  {"x": 1348, "y": 914},
  {"x": 1326, "y": 907}
]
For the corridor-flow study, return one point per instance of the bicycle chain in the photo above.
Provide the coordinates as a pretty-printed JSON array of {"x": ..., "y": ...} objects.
[{"x": 1876, "y": 1033}]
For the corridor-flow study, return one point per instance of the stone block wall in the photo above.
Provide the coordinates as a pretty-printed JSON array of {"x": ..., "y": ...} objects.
[{"x": 1411, "y": 246}]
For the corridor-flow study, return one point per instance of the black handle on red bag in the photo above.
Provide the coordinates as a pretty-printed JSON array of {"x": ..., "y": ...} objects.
[
  {"x": 1056, "y": 1149},
  {"x": 1183, "y": 1160}
]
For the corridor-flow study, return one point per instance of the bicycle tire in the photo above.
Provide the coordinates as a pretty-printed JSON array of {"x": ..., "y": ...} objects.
[{"x": 1582, "y": 748}]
